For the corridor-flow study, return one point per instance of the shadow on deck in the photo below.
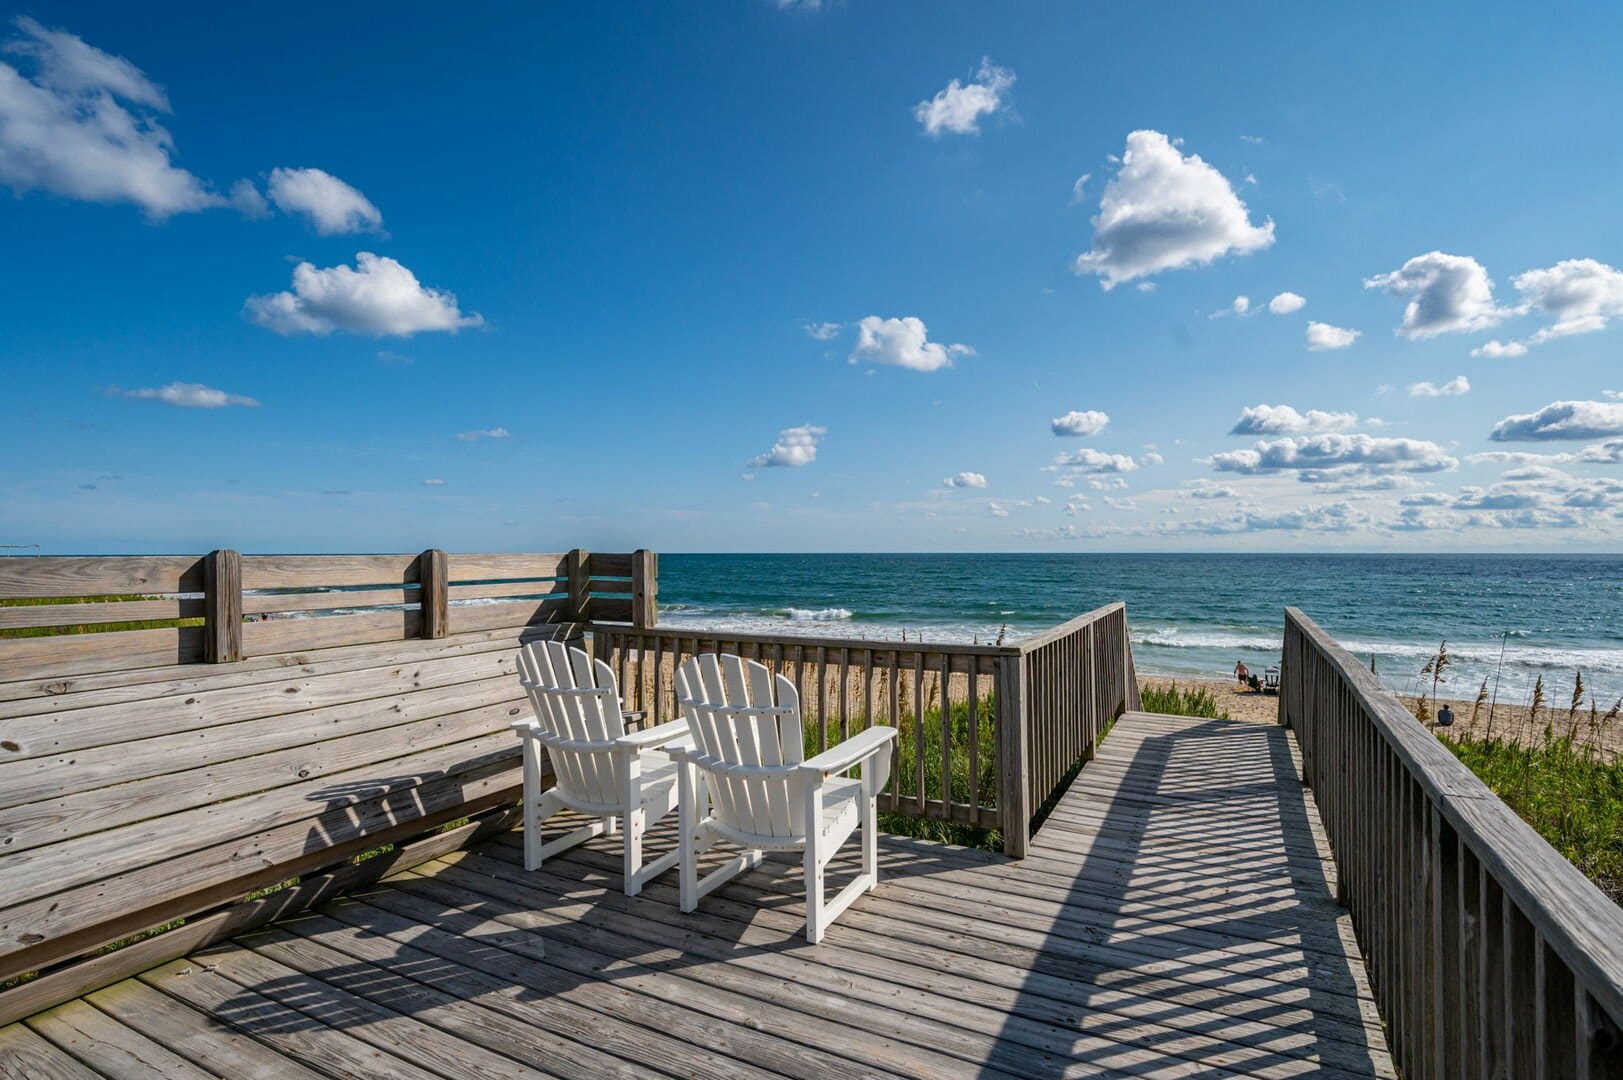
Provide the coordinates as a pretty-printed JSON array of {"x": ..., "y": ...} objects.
[{"x": 1175, "y": 918}]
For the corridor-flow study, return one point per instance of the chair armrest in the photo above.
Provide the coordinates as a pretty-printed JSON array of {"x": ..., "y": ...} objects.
[
  {"x": 654, "y": 736},
  {"x": 852, "y": 752},
  {"x": 524, "y": 727}
]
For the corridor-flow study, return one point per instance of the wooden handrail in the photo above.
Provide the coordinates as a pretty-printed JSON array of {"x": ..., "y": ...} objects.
[{"x": 1490, "y": 953}]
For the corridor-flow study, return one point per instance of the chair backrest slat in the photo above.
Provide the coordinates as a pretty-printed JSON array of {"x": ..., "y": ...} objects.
[
  {"x": 742, "y": 715},
  {"x": 593, "y": 719}
]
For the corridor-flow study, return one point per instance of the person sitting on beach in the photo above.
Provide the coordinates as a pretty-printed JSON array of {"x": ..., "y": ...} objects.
[{"x": 1242, "y": 673}]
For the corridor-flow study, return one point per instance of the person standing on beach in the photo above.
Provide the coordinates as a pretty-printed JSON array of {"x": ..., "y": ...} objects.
[{"x": 1242, "y": 673}]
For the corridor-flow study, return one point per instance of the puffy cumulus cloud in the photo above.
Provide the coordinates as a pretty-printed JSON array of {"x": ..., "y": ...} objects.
[
  {"x": 1356, "y": 482},
  {"x": 1336, "y": 517},
  {"x": 486, "y": 433},
  {"x": 83, "y": 126},
  {"x": 1429, "y": 498},
  {"x": 1581, "y": 294},
  {"x": 958, "y": 109},
  {"x": 1322, "y": 337},
  {"x": 1287, "y": 302},
  {"x": 1163, "y": 210},
  {"x": 1333, "y": 457},
  {"x": 1079, "y": 423},
  {"x": 1454, "y": 387},
  {"x": 1446, "y": 294},
  {"x": 331, "y": 205},
  {"x": 1152, "y": 457},
  {"x": 904, "y": 343},
  {"x": 1284, "y": 420},
  {"x": 1562, "y": 420},
  {"x": 822, "y": 331},
  {"x": 996, "y": 511},
  {"x": 1241, "y": 305},
  {"x": 1088, "y": 461},
  {"x": 188, "y": 396},
  {"x": 795, "y": 447},
  {"x": 378, "y": 296},
  {"x": 1500, "y": 349},
  {"x": 1203, "y": 490},
  {"x": 965, "y": 480},
  {"x": 1108, "y": 483},
  {"x": 1609, "y": 452}
]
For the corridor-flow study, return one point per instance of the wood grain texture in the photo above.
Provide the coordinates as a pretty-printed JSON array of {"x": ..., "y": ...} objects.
[
  {"x": 98, "y": 576},
  {"x": 434, "y": 597},
  {"x": 222, "y": 607},
  {"x": 311, "y": 571}
]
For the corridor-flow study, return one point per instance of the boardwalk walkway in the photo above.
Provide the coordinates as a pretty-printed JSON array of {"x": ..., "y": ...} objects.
[{"x": 1175, "y": 918}]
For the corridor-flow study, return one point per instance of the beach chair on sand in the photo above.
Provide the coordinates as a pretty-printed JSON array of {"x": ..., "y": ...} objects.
[
  {"x": 598, "y": 768},
  {"x": 1270, "y": 681},
  {"x": 745, "y": 782}
]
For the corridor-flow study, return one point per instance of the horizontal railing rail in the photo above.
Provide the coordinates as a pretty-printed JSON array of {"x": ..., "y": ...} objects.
[
  {"x": 1490, "y": 954},
  {"x": 988, "y": 732}
]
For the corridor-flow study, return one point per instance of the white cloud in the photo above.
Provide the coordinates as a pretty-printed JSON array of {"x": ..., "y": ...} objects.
[
  {"x": 1287, "y": 302},
  {"x": 1089, "y": 460},
  {"x": 1203, "y": 490},
  {"x": 1163, "y": 210},
  {"x": 331, "y": 205},
  {"x": 434, "y": 482},
  {"x": 378, "y": 297},
  {"x": 1496, "y": 349},
  {"x": 823, "y": 331},
  {"x": 1331, "y": 457},
  {"x": 1079, "y": 423},
  {"x": 83, "y": 127},
  {"x": 795, "y": 447},
  {"x": 188, "y": 396},
  {"x": 1241, "y": 305},
  {"x": 1447, "y": 294},
  {"x": 1582, "y": 295},
  {"x": 959, "y": 108},
  {"x": 1284, "y": 420},
  {"x": 1337, "y": 517},
  {"x": 1454, "y": 387},
  {"x": 1562, "y": 420},
  {"x": 1253, "y": 139},
  {"x": 1322, "y": 337},
  {"x": 489, "y": 433},
  {"x": 1078, "y": 187},
  {"x": 1152, "y": 458},
  {"x": 996, "y": 511},
  {"x": 965, "y": 480},
  {"x": 903, "y": 342},
  {"x": 248, "y": 201}
]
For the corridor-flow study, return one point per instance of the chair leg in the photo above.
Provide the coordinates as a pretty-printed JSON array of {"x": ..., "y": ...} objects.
[
  {"x": 814, "y": 859},
  {"x": 536, "y": 813},
  {"x": 532, "y": 801},
  {"x": 688, "y": 814},
  {"x": 633, "y": 852},
  {"x": 870, "y": 837}
]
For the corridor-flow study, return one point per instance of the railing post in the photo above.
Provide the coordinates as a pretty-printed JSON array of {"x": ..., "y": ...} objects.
[
  {"x": 222, "y": 607},
  {"x": 1014, "y": 787},
  {"x": 644, "y": 588},
  {"x": 434, "y": 575},
  {"x": 577, "y": 566}
]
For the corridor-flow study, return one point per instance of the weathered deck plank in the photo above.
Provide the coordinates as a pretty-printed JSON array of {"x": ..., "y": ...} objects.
[{"x": 1175, "y": 917}]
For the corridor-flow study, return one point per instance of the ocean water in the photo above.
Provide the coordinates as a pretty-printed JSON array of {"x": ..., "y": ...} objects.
[{"x": 1195, "y": 615}]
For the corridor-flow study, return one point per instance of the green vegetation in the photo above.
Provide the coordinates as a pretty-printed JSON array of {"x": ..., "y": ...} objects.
[
  {"x": 1172, "y": 701},
  {"x": 1562, "y": 788}
]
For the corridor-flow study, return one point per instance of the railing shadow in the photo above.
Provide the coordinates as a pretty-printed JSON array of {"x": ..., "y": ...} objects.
[{"x": 1187, "y": 859}]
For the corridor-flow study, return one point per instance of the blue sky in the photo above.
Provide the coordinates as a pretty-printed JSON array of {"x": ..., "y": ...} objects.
[{"x": 732, "y": 276}]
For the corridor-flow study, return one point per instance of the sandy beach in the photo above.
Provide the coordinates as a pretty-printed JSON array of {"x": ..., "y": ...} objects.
[{"x": 1508, "y": 721}]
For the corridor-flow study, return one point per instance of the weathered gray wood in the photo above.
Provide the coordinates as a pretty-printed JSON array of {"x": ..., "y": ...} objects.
[
  {"x": 74, "y": 654},
  {"x": 1014, "y": 798},
  {"x": 580, "y": 584},
  {"x": 506, "y": 567},
  {"x": 644, "y": 588},
  {"x": 66, "y": 983},
  {"x": 472, "y": 617},
  {"x": 434, "y": 594},
  {"x": 92, "y": 612},
  {"x": 222, "y": 607},
  {"x": 100, "y": 576},
  {"x": 109, "y": 1047},
  {"x": 312, "y": 571},
  {"x": 327, "y": 632},
  {"x": 26, "y": 1056}
]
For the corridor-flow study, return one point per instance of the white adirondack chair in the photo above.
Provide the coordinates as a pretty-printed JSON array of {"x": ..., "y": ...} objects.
[
  {"x": 598, "y": 769},
  {"x": 745, "y": 782}
]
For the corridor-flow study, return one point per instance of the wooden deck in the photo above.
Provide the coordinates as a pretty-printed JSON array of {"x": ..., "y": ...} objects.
[{"x": 1175, "y": 918}]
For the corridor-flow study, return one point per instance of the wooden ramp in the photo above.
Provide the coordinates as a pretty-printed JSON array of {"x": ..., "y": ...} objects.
[{"x": 1175, "y": 918}]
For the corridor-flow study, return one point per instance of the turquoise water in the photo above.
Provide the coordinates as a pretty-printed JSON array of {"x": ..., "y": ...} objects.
[{"x": 1197, "y": 614}]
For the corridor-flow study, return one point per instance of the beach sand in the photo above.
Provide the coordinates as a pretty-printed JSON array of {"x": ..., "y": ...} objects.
[{"x": 1509, "y": 721}]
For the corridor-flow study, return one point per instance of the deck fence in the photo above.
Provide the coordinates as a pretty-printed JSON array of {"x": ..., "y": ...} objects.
[{"x": 1490, "y": 954}]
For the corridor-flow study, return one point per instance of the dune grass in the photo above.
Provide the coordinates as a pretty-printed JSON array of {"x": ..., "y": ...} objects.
[
  {"x": 1171, "y": 700},
  {"x": 1563, "y": 789}
]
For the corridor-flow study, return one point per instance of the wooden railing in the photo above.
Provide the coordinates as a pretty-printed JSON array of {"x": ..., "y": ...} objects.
[
  {"x": 202, "y": 727},
  {"x": 987, "y": 731},
  {"x": 1490, "y": 954}
]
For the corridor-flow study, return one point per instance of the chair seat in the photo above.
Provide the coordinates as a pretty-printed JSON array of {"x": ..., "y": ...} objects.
[{"x": 842, "y": 806}]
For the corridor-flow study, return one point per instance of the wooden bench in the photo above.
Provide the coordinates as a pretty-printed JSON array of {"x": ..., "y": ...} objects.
[{"x": 357, "y": 701}]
